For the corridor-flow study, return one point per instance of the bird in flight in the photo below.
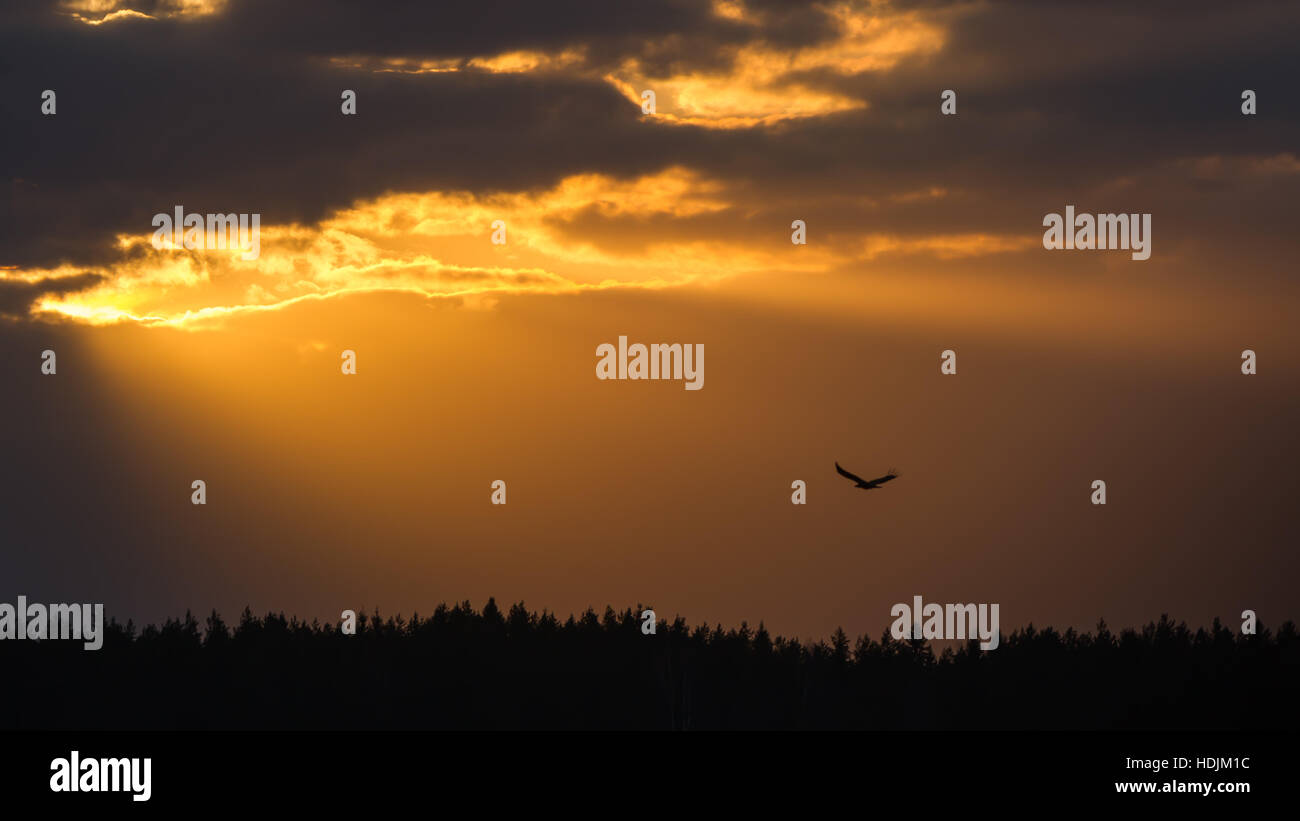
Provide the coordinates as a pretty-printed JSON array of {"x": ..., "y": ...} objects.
[{"x": 866, "y": 484}]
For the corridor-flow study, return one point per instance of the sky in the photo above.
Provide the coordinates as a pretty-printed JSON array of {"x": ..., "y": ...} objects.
[{"x": 476, "y": 361}]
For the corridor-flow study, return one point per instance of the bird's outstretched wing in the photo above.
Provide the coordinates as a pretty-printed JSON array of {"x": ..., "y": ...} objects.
[
  {"x": 841, "y": 471},
  {"x": 893, "y": 474}
]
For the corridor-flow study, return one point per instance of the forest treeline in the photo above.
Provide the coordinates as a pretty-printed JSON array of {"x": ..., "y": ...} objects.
[{"x": 461, "y": 668}]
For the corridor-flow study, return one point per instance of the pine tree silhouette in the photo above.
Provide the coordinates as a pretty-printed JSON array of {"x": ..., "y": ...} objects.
[{"x": 461, "y": 668}]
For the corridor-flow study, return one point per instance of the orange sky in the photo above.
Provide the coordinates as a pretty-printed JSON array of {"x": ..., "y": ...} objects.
[{"x": 476, "y": 361}]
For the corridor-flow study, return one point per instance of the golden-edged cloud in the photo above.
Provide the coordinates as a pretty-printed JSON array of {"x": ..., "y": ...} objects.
[
  {"x": 99, "y": 12},
  {"x": 588, "y": 231},
  {"x": 766, "y": 84},
  {"x": 757, "y": 83},
  {"x": 432, "y": 244},
  {"x": 509, "y": 62}
]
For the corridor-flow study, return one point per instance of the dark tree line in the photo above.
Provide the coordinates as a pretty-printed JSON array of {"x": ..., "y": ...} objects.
[{"x": 461, "y": 668}]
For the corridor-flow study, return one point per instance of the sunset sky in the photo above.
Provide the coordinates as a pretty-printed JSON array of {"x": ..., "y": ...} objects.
[{"x": 476, "y": 361}]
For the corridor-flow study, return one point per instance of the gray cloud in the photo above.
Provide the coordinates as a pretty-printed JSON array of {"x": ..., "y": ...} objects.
[{"x": 239, "y": 111}]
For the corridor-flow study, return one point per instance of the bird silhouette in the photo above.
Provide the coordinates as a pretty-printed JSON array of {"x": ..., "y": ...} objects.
[{"x": 866, "y": 484}]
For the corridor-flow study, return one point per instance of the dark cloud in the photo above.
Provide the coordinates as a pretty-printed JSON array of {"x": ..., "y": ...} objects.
[{"x": 17, "y": 297}]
